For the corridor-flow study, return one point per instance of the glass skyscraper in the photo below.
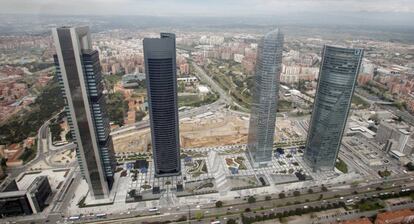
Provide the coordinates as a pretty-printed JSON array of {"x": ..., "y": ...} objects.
[
  {"x": 160, "y": 69},
  {"x": 79, "y": 73},
  {"x": 264, "y": 100},
  {"x": 337, "y": 78}
]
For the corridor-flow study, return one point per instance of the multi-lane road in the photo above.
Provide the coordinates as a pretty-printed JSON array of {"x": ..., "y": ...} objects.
[{"x": 233, "y": 209}]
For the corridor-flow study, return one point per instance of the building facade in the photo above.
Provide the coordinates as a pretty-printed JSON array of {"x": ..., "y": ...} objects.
[
  {"x": 160, "y": 68},
  {"x": 79, "y": 73},
  {"x": 264, "y": 101},
  {"x": 33, "y": 200},
  {"x": 337, "y": 78},
  {"x": 395, "y": 137}
]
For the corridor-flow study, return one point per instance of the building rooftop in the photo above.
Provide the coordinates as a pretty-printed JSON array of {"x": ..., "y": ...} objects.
[
  {"x": 36, "y": 182},
  {"x": 394, "y": 215},
  {"x": 357, "y": 221},
  {"x": 11, "y": 194}
]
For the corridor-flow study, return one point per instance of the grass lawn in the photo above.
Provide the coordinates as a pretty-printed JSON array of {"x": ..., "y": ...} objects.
[{"x": 341, "y": 166}]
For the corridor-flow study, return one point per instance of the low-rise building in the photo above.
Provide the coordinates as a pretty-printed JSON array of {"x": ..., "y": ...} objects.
[
  {"x": 395, "y": 217},
  {"x": 357, "y": 221},
  {"x": 15, "y": 201},
  {"x": 397, "y": 134}
]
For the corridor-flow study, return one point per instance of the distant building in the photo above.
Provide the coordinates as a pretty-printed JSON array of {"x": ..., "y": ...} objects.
[
  {"x": 357, "y": 221},
  {"x": 238, "y": 58},
  {"x": 160, "y": 67},
  {"x": 190, "y": 79},
  {"x": 79, "y": 73},
  {"x": 395, "y": 137},
  {"x": 395, "y": 217},
  {"x": 337, "y": 80},
  {"x": 184, "y": 69},
  {"x": 364, "y": 78},
  {"x": 132, "y": 80},
  {"x": 15, "y": 202},
  {"x": 264, "y": 100}
]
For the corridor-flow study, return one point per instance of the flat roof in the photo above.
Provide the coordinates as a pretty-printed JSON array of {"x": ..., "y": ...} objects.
[
  {"x": 397, "y": 153},
  {"x": 404, "y": 131},
  {"x": 12, "y": 194}
]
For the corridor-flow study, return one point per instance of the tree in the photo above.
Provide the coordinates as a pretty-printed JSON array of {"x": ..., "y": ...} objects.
[
  {"x": 3, "y": 162},
  {"x": 68, "y": 136},
  {"x": 231, "y": 221},
  {"x": 182, "y": 218},
  {"x": 310, "y": 191},
  {"x": 132, "y": 193},
  {"x": 296, "y": 193},
  {"x": 199, "y": 215},
  {"x": 55, "y": 130},
  {"x": 410, "y": 166},
  {"x": 251, "y": 199},
  {"x": 324, "y": 189},
  {"x": 268, "y": 198},
  {"x": 282, "y": 195},
  {"x": 219, "y": 204}
]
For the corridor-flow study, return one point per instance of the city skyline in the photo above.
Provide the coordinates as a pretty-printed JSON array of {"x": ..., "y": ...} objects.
[
  {"x": 205, "y": 8},
  {"x": 211, "y": 112}
]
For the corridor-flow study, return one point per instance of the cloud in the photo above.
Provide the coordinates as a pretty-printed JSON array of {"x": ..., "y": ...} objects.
[{"x": 200, "y": 7}]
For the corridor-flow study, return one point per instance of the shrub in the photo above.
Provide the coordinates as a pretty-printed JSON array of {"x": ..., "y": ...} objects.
[
  {"x": 296, "y": 193},
  {"x": 251, "y": 199}
]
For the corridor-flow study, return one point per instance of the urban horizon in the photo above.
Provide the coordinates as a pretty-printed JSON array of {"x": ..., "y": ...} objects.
[{"x": 203, "y": 116}]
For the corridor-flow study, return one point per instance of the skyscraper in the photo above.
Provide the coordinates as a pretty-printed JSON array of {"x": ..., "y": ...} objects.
[
  {"x": 79, "y": 73},
  {"x": 160, "y": 69},
  {"x": 264, "y": 101},
  {"x": 337, "y": 78}
]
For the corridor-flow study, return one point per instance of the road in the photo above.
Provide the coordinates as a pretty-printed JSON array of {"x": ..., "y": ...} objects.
[
  {"x": 379, "y": 102},
  {"x": 42, "y": 137},
  {"x": 235, "y": 207},
  {"x": 202, "y": 75},
  {"x": 406, "y": 116}
]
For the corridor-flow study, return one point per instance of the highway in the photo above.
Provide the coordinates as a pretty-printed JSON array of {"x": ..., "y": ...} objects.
[
  {"x": 202, "y": 75},
  {"x": 237, "y": 206}
]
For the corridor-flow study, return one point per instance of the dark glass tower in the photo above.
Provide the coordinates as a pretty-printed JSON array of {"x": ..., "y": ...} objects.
[
  {"x": 264, "y": 101},
  {"x": 337, "y": 78},
  {"x": 160, "y": 69},
  {"x": 79, "y": 73}
]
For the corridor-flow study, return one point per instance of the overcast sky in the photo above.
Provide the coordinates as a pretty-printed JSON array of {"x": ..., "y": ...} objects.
[{"x": 200, "y": 7}]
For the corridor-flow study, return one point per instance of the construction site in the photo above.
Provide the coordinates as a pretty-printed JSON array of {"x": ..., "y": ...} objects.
[{"x": 211, "y": 130}]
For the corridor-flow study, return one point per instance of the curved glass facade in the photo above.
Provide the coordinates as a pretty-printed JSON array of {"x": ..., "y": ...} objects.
[
  {"x": 160, "y": 68},
  {"x": 337, "y": 78},
  {"x": 264, "y": 101}
]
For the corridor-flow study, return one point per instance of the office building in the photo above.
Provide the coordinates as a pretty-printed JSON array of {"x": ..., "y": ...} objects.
[
  {"x": 33, "y": 200},
  {"x": 38, "y": 192},
  {"x": 395, "y": 137},
  {"x": 264, "y": 101},
  {"x": 337, "y": 78},
  {"x": 79, "y": 74},
  {"x": 160, "y": 68}
]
